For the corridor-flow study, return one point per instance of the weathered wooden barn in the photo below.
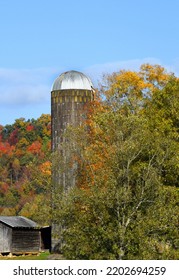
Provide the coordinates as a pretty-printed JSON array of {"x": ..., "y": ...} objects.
[{"x": 21, "y": 235}]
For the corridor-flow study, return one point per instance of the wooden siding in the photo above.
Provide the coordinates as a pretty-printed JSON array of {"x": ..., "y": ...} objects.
[
  {"x": 25, "y": 240},
  {"x": 5, "y": 238}
]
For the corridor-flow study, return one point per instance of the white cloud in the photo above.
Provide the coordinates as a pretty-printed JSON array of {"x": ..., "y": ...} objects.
[
  {"x": 25, "y": 86},
  {"x": 97, "y": 71},
  {"x": 26, "y": 92},
  {"x": 173, "y": 67}
]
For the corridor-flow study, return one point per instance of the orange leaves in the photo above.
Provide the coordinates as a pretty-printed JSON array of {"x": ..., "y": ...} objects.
[
  {"x": 29, "y": 127},
  {"x": 6, "y": 149},
  {"x": 35, "y": 148},
  {"x": 3, "y": 188},
  {"x": 25, "y": 169},
  {"x": 46, "y": 168}
]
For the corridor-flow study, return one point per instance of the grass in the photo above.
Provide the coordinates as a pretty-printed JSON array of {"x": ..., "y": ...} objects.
[{"x": 41, "y": 256}]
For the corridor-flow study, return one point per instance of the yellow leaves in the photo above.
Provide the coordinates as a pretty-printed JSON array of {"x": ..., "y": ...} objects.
[
  {"x": 22, "y": 143},
  {"x": 129, "y": 78},
  {"x": 155, "y": 75},
  {"x": 46, "y": 168},
  {"x": 132, "y": 84},
  {"x": 125, "y": 83}
]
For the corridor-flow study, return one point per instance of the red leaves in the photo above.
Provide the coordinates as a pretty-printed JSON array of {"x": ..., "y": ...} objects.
[
  {"x": 13, "y": 138},
  {"x": 29, "y": 127},
  {"x": 5, "y": 148},
  {"x": 35, "y": 148},
  {"x": 3, "y": 188},
  {"x": 24, "y": 146}
]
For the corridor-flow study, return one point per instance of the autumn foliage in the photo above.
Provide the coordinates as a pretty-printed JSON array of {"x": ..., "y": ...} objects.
[
  {"x": 126, "y": 155},
  {"x": 25, "y": 168},
  {"x": 125, "y": 204}
]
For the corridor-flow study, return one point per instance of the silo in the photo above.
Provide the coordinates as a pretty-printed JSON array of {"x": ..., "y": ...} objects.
[
  {"x": 70, "y": 95},
  {"x": 70, "y": 92}
]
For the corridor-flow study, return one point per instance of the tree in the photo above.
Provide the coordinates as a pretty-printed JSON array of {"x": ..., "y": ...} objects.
[
  {"x": 25, "y": 178},
  {"x": 125, "y": 192}
]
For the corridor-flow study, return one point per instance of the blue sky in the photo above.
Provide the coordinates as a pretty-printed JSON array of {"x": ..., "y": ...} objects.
[{"x": 40, "y": 39}]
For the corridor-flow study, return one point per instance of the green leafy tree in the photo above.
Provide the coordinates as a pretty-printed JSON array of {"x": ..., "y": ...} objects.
[{"x": 124, "y": 205}]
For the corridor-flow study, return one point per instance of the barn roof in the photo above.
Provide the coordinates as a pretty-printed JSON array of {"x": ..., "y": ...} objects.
[{"x": 18, "y": 222}]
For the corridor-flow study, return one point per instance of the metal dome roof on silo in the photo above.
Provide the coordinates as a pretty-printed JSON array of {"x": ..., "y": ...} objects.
[{"x": 72, "y": 80}]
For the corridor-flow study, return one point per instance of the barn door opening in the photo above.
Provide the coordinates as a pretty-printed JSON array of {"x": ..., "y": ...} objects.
[{"x": 46, "y": 238}]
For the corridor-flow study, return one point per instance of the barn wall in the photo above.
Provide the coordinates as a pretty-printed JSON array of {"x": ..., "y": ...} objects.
[
  {"x": 25, "y": 240},
  {"x": 5, "y": 238}
]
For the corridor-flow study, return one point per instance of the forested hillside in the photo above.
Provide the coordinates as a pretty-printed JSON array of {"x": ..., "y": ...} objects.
[{"x": 25, "y": 168}]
